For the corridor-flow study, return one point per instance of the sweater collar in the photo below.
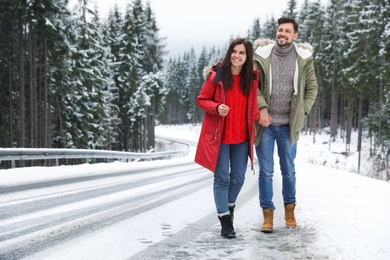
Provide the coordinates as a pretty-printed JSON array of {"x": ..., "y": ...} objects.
[{"x": 282, "y": 51}]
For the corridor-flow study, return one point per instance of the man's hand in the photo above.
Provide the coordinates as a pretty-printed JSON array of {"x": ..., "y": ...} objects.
[{"x": 265, "y": 119}]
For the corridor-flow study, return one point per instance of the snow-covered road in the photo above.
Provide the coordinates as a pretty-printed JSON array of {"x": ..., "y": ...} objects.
[
  {"x": 159, "y": 212},
  {"x": 37, "y": 215}
]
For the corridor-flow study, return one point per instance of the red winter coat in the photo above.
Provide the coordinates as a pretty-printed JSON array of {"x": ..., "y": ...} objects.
[{"x": 210, "y": 96}]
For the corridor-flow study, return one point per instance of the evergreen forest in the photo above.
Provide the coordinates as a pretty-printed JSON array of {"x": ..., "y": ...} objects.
[{"x": 69, "y": 79}]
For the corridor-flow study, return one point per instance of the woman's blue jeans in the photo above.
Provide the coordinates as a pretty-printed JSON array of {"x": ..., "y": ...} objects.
[
  {"x": 265, "y": 156},
  {"x": 229, "y": 175}
]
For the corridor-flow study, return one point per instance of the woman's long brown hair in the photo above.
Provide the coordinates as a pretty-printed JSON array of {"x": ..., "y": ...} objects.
[{"x": 247, "y": 74}]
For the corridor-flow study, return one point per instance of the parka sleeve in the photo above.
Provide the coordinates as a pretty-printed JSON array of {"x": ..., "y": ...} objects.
[
  {"x": 260, "y": 95},
  {"x": 311, "y": 87},
  {"x": 256, "y": 110},
  {"x": 206, "y": 99}
]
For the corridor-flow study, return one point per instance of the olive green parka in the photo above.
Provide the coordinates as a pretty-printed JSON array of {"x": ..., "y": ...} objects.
[{"x": 305, "y": 84}]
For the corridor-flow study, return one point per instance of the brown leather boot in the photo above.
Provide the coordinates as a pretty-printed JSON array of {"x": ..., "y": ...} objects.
[
  {"x": 289, "y": 215},
  {"x": 268, "y": 224}
]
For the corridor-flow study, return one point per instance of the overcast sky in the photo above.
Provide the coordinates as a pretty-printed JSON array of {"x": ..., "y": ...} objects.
[{"x": 199, "y": 23}]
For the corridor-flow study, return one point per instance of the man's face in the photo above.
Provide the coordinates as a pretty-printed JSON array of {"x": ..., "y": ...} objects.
[{"x": 285, "y": 35}]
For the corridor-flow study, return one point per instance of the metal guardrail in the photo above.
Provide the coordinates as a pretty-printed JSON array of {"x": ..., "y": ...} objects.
[{"x": 25, "y": 154}]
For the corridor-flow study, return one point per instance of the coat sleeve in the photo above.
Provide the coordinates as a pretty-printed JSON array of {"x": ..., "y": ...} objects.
[
  {"x": 256, "y": 111},
  {"x": 260, "y": 94},
  {"x": 207, "y": 99},
  {"x": 311, "y": 88}
]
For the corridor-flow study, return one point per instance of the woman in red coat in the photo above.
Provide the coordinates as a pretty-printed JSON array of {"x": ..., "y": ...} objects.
[{"x": 229, "y": 100}]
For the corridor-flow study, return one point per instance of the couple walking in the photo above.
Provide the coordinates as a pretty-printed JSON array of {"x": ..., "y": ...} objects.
[{"x": 258, "y": 95}]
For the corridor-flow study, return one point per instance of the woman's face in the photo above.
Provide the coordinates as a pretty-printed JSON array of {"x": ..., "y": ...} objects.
[{"x": 238, "y": 56}]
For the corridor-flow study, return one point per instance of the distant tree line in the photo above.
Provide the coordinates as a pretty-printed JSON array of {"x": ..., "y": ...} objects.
[{"x": 69, "y": 79}]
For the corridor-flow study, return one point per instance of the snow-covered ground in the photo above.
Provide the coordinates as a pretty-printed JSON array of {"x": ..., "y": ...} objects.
[{"x": 341, "y": 214}]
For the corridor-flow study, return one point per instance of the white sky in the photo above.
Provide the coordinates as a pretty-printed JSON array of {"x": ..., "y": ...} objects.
[
  {"x": 201, "y": 23},
  {"x": 341, "y": 215}
]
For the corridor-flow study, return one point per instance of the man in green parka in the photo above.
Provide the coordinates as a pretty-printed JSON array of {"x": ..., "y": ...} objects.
[{"x": 287, "y": 91}]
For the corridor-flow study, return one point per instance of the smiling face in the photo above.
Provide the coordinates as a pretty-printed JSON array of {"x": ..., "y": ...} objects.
[
  {"x": 286, "y": 35},
  {"x": 238, "y": 58}
]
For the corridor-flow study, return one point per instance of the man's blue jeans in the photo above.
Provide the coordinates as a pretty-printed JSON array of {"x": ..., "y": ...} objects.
[
  {"x": 229, "y": 175},
  {"x": 265, "y": 156}
]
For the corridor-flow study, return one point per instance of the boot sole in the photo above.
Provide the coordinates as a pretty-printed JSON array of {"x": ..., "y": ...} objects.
[
  {"x": 266, "y": 230},
  {"x": 230, "y": 236}
]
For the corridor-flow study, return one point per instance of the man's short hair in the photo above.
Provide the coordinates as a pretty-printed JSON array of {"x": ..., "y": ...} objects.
[{"x": 288, "y": 19}]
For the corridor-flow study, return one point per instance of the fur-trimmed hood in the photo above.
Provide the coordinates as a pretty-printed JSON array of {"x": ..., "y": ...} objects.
[
  {"x": 263, "y": 48},
  {"x": 214, "y": 70},
  {"x": 207, "y": 72}
]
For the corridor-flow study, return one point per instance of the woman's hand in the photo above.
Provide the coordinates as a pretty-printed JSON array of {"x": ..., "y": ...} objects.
[{"x": 223, "y": 110}]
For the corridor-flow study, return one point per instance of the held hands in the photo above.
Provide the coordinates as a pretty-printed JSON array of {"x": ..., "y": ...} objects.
[
  {"x": 223, "y": 110},
  {"x": 265, "y": 119}
]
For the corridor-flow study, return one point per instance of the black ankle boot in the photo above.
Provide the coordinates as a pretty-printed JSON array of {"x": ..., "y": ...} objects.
[
  {"x": 227, "y": 230},
  {"x": 231, "y": 210}
]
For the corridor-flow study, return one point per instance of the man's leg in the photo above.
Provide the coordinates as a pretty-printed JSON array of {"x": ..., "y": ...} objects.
[
  {"x": 287, "y": 153},
  {"x": 265, "y": 157},
  {"x": 265, "y": 153}
]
